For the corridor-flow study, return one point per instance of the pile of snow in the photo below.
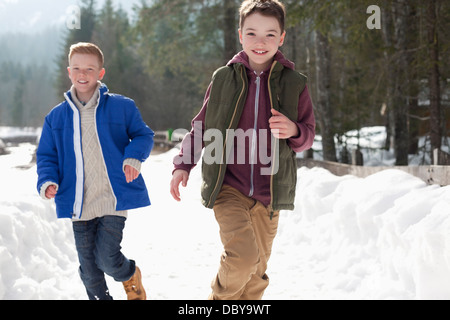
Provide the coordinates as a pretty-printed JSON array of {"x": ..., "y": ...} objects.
[
  {"x": 36, "y": 254},
  {"x": 382, "y": 237},
  {"x": 12, "y": 132}
]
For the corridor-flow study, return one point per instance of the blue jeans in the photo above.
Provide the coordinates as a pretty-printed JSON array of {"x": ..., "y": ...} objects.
[{"x": 99, "y": 252}]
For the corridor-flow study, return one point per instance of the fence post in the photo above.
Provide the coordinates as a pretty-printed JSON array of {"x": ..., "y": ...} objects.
[
  {"x": 440, "y": 158},
  {"x": 357, "y": 157}
]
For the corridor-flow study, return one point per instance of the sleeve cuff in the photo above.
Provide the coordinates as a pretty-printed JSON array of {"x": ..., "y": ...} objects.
[
  {"x": 136, "y": 164},
  {"x": 44, "y": 188}
]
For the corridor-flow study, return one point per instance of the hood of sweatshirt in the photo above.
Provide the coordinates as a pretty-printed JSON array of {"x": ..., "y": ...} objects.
[{"x": 242, "y": 57}]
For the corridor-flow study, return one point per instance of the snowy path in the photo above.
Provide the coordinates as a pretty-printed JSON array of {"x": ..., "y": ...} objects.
[{"x": 383, "y": 237}]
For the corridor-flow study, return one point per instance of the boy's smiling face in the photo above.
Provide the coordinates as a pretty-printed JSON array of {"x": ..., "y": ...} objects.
[
  {"x": 261, "y": 36},
  {"x": 84, "y": 72}
]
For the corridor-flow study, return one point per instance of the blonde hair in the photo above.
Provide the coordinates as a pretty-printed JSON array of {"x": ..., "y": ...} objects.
[
  {"x": 268, "y": 8},
  {"x": 87, "y": 48}
]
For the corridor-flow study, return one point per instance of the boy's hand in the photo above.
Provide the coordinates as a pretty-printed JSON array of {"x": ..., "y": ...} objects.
[
  {"x": 284, "y": 128},
  {"x": 179, "y": 176},
  {"x": 50, "y": 193},
  {"x": 130, "y": 173}
]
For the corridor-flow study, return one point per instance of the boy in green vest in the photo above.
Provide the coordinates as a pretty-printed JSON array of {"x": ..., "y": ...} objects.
[{"x": 257, "y": 114}]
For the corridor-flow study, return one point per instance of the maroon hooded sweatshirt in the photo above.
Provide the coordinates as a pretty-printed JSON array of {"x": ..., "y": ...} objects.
[{"x": 245, "y": 175}]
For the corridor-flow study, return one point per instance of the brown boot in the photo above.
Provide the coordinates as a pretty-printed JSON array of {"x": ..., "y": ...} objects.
[{"x": 134, "y": 288}]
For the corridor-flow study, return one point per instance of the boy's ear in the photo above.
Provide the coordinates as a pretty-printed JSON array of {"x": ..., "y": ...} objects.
[
  {"x": 240, "y": 35},
  {"x": 68, "y": 71},
  {"x": 101, "y": 74},
  {"x": 282, "y": 39}
]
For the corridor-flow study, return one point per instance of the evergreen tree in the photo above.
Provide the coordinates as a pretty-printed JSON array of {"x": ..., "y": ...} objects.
[
  {"x": 17, "y": 111},
  {"x": 433, "y": 75},
  {"x": 180, "y": 44}
]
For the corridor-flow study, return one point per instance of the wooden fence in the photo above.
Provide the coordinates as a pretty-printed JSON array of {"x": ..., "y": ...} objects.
[{"x": 435, "y": 174}]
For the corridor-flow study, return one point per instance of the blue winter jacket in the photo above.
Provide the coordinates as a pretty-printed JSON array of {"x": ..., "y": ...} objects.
[{"x": 122, "y": 134}]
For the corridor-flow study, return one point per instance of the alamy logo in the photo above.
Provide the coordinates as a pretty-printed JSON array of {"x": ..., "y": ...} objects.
[
  {"x": 236, "y": 147},
  {"x": 73, "y": 19},
  {"x": 374, "y": 21}
]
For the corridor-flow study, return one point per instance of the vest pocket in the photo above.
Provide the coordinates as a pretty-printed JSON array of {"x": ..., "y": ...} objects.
[{"x": 285, "y": 180}]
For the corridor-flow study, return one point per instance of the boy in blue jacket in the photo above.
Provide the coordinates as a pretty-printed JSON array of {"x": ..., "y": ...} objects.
[{"x": 88, "y": 160}]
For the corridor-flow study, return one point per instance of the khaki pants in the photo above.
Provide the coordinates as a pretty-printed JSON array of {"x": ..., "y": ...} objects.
[{"x": 247, "y": 234}]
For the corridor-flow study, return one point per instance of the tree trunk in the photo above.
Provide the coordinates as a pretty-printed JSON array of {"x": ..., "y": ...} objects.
[
  {"x": 396, "y": 36},
  {"x": 323, "y": 106},
  {"x": 387, "y": 112},
  {"x": 229, "y": 30},
  {"x": 433, "y": 79}
]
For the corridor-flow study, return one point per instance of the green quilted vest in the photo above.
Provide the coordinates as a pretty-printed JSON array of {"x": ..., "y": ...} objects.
[{"x": 226, "y": 102}]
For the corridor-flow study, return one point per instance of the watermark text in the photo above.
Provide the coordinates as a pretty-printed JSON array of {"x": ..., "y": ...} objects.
[
  {"x": 73, "y": 18},
  {"x": 374, "y": 21},
  {"x": 238, "y": 146}
]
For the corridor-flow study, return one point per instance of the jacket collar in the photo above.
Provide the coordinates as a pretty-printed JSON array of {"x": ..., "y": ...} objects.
[
  {"x": 103, "y": 93},
  {"x": 242, "y": 58}
]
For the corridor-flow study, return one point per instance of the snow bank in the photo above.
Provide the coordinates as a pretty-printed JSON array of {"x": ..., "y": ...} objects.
[
  {"x": 383, "y": 237},
  {"x": 13, "y": 132},
  {"x": 37, "y": 254}
]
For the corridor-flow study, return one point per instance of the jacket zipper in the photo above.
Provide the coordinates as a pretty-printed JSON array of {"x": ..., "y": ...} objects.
[
  {"x": 221, "y": 166},
  {"x": 274, "y": 147},
  {"x": 79, "y": 162},
  {"x": 255, "y": 127}
]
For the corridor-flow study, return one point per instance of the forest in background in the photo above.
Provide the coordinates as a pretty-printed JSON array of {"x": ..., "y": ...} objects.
[{"x": 397, "y": 75}]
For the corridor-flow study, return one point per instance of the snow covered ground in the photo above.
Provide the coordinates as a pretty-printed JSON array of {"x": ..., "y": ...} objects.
[{"x": 383, "y": 237}]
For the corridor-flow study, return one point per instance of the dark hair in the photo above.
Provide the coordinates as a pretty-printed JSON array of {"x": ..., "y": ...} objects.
[{"x": 269, "y": 8}]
